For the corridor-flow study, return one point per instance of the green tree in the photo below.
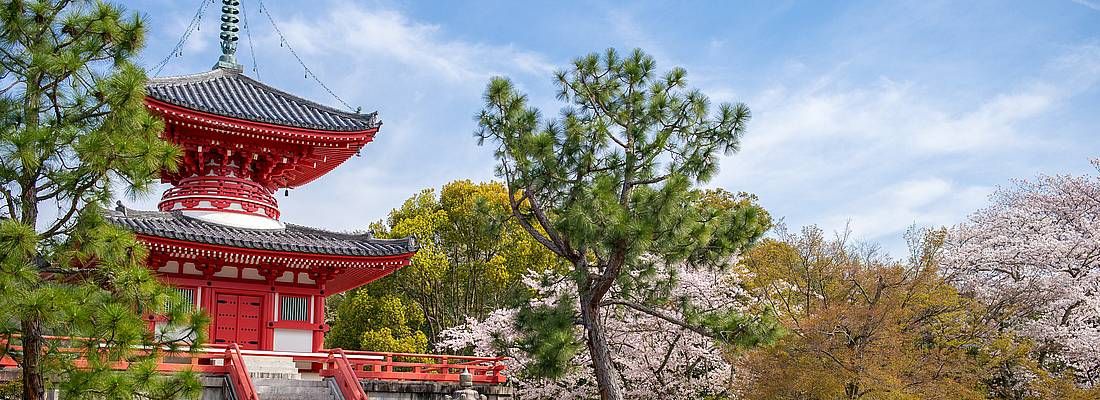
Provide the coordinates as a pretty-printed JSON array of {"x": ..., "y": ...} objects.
[
  {"x": 387, "y": 322},
  {"x": 74, "y": 129},
  {"x": 473, "y": 254},
  {"x": 609, "y": 186}
]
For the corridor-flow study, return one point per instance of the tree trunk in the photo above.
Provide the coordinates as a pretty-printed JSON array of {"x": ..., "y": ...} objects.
[
  {"x": 606, "y": 375},
  {"x": 34, "y": 388}
]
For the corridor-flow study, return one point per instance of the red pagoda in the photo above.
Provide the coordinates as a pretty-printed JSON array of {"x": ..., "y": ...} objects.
[
  {"x": 219, "y": 239},
  {"x": 218, "y": 236}
]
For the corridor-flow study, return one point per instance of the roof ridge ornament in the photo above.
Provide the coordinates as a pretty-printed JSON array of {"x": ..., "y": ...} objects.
[{"x": 229, "y": 36}]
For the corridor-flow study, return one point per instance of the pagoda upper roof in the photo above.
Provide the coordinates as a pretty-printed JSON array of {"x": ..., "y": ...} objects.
[
  {"x": 292, "y": 238},
  {"x": 229, "y": 93}
]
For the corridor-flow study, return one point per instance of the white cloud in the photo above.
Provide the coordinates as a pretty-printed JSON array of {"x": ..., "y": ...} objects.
[
  {"x": 925, "y": 202},
  {"x": 1089, "y": 4},
  {"x": 358, "y": 35},
  {"x": 880, "y": 154},
  {"x": 898, "y": 114},
  {"x": 916, "y": 119}
]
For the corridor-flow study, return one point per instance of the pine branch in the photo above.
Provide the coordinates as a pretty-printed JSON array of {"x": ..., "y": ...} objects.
[
  {"x": 650, "y": 181},
  {"x": 9, "y": 201},
  {"x": 525, "y": 223}
]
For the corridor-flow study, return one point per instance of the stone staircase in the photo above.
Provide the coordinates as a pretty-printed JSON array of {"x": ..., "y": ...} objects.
[
  {"x": 277, "y": 378},
  {"x": 287, "y": 389},
  {"x": 271, "y": 367}
]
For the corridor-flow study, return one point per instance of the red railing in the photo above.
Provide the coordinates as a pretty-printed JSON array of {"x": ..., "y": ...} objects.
[
  {"x": 238, "y": 374},
  {"x": 337, "y": 363},
  {"x": 339, "y": 368},
  {"x": 220, "y": 192},
  {"x": 203, "y": 361},
  {"x": 427, "y": 367}
]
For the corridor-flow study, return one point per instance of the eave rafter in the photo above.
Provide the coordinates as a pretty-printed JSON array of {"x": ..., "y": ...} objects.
[
  {"x": 336, "y": 273},
  {"x": 293, "y": 156}
]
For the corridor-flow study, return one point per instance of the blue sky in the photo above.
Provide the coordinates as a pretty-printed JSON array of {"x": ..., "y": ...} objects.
[{"x": 878, "y": 115}]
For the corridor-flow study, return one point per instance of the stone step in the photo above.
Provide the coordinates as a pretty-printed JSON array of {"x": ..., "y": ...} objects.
[
  {"x": 274, "y": 382},
  {"x": 275, "y": 390},
  {"x": 277, "y": 378},
  {"x": 296, "y": 397},
  {"x": 275, "y": 375},
  {"x": 271, "y": 367},
  {"x": 280, "y": 389},
  {"x": 269, "y": 362}
]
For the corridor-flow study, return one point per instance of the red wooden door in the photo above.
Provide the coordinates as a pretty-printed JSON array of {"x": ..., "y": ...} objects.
[
  {"x": 237, "y": 320},
  {"x": 248, "y": 321},
  {"x": 225, "y": 319}
]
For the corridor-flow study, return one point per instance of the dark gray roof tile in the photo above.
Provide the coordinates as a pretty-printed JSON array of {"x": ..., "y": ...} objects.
[
  {"x": 294, "y": 238},
  {"x": 229, "y": 93}
]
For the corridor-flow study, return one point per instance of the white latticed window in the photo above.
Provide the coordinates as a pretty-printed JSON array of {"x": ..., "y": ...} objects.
[
  {"x": 294, "y": 308},
  {"x": 188, "y": 296}
]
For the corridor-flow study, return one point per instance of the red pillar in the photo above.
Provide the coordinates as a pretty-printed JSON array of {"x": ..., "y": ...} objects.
[
  {"x": 270, "y": 315},
  {"x": 319, "y": 326}
]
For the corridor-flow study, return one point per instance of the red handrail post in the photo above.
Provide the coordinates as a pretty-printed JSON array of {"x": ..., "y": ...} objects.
[
  {"x": 339, "y": 368},
  {"x": 238, "y": 374}
]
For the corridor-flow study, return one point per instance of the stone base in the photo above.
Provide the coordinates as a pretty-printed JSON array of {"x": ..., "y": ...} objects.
[
  {"x": 214, "y": 387},
  {"x": 390, "y": 390}
]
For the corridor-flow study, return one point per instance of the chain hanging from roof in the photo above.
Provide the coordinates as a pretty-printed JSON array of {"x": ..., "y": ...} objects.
[
  {"x": 230, "y": 29},
  {"x": 196, "y": 22},
  {"x": 308, "y": 72},
  {"x": 251, "y": 49}
]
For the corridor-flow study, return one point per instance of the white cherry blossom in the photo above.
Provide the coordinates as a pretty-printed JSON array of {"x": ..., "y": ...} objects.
[
  {"x": 656, "y": 360},
  {"x": 1034, "y": 257}
]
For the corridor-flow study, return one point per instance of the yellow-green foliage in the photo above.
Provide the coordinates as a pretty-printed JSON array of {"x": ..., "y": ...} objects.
[
  {"x": 387, "y": 322},
  {"x": 862, "y": 326},
  {"x": 384, "y": 339},
  {"x": 472, "y": 257}
]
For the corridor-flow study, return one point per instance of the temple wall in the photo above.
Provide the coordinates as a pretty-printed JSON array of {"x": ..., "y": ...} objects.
[{"x": 293, "y": 340}]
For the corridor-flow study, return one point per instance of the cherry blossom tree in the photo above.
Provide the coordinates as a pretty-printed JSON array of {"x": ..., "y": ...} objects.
[
  {"x": 658, "y": 359},
  {"x": 1033, "y": 256}
]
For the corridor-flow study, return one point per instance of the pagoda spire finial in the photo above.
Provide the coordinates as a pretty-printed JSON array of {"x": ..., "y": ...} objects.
[{"x": 229, "y": 37}]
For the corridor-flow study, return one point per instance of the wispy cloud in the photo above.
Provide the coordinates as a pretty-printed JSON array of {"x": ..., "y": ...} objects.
[
  {"x": 879, "y": 155},
  {"x": 911, "y": 118},
  {"x": 889, "y": 211},
  {"x": 360, "y": 36},
  {"x": 1089, "y": 4}
]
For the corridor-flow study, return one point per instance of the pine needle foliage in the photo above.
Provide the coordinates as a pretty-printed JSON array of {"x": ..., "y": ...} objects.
[
  {"x": 75, "y": 130},
  {"x": 611, "y": 185}
]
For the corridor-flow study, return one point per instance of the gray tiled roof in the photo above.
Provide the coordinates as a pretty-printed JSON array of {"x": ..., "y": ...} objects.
[
  {"x": 229, "y": 93},
  {"x": 295, "y": 238}
]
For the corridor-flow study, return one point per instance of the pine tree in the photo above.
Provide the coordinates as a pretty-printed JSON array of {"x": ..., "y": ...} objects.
[
  {"x": 74, "y": 131},
  {"x": 611, "y": 187}
]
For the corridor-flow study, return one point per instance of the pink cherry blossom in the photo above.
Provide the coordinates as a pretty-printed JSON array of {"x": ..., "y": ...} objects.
[
  {"x": 656, "y": 359},
  {"x": 1034, "y": 257}
]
